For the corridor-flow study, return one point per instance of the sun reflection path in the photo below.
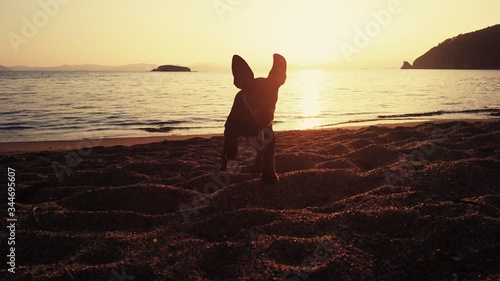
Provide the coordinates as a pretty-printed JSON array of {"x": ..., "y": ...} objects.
[{"x": 310, "y": 85}]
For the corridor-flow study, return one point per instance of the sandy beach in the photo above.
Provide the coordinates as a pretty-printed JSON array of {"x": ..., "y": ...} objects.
[{"x": 405, "y": 202}]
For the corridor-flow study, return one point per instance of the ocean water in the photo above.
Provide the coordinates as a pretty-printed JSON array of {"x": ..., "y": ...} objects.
[{"x": 40, "y": 106}]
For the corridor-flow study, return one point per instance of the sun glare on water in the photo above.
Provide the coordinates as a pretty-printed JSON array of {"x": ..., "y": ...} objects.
[{"x": 309, "y": 87}]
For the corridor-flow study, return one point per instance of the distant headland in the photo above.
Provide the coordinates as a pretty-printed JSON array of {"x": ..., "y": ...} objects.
[
  {"x": 172, "y": 68},
  {"x": 474, "y": 50}
]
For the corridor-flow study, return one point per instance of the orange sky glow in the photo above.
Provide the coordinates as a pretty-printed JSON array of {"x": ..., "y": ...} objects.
[{"x": 379, "y": 33}]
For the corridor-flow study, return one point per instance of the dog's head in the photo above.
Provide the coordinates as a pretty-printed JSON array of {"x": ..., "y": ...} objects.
[{"x": 259, "y": 94}]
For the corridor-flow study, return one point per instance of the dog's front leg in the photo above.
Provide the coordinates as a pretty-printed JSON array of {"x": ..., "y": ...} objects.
[
  {"x": 258, "y": 160},
  {"x": 230, "y": 147}
]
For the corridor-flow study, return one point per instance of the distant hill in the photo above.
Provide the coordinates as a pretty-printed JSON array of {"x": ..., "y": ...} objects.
[
  {"x": 88, "y": 67},
  {"x": 3, "y": 68},
  {"x": 172, "y": 68},
  {"x": 476, "y": 50}
]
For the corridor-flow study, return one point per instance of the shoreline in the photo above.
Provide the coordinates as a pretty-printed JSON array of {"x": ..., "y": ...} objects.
[
  {"x": 38, "y": 146},
  {"x": 8, "y": 148}
]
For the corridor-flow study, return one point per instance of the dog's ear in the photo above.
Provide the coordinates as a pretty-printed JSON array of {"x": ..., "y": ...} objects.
[
  {"x": 278, "y": 72},
  {"x": 242, "y": 73}
]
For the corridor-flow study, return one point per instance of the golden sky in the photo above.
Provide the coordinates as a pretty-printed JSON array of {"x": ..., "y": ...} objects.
[{"x": 374, "y": 33}]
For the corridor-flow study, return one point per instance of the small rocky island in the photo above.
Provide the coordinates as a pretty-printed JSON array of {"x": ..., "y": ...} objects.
[
  {"x": 172, "y": 68},
  {"x": 474, "y": 50},
  {"x": 406, "y": 65}
]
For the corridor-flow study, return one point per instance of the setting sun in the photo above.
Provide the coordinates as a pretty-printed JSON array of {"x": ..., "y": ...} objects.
[{"x": 308, "y": 34}]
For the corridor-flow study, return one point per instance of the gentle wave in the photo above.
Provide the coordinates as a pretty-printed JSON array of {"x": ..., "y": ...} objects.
[
  {"x": 414, "y": 116},
  {"x": 492, "y": 111},
  {"x": 16, "y": 127},
  {"x": 11, "y": 112},
  {"x": 170, "y": 129}
]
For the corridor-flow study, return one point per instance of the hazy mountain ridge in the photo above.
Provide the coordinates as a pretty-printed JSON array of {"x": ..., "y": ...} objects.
[
  {"x": 87, "y": 67},
  {"x": 202, "y": 67},
  {"x": 4, "y": 68},
  {"x": 474, "y": 50}
]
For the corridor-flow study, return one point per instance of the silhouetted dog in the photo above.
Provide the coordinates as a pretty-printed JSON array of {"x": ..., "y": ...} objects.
[{"x": 252, "y": 114}]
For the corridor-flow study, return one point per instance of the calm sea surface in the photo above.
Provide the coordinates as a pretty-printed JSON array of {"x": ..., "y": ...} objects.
[{"x": 38, "y": 106}]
